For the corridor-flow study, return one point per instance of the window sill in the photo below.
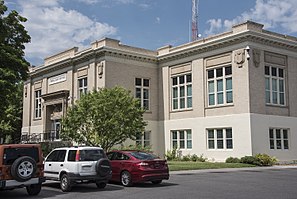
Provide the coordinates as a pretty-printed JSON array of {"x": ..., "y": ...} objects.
[
  {"x": 220, "y": 106},
  {"x": 280, "y": 149},
  {"x": 219, "y": 149},
  {"x": 181, "y": 110},
  {"x": 277, "y": 105},
  {"x": 37, "y": 118},
  {"x": 184, "y": 149}
]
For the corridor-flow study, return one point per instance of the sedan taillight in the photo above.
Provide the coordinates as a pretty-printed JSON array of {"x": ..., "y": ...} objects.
[{"x": 143, "y": 164}]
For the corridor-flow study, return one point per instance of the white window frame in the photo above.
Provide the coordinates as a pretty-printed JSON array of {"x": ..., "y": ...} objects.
[
  {"x": 269, "y": 92},
  {"x": 278, "y": 142},
  {"x": 144, "y": 139},
  {"x": 145, "y": 101},
  {"x": 37, "y": 104},
  {"x": 225, "y": 91},
  {"x": 187, "y": 97},
  {"x": 84, "y": 88},
  {"x": 216, "y": 139},
  {"x": 185, "y": 139}
]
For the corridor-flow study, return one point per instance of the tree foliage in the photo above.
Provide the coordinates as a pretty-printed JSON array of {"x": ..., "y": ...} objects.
[
  {"x": 104, "y": 118},
  {"x": 13, "y": 68}
]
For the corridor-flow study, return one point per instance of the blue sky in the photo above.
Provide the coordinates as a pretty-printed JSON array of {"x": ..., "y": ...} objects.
[{"x": 56, "y": 25}]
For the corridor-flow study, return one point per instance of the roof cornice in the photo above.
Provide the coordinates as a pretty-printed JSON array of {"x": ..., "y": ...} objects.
[
  {"x": 228, "y": 40},
  {"x": 89, "y": 54}
]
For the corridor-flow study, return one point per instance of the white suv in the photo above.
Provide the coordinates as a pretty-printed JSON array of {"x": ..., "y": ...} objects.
[{"x": 71, "y": 165}]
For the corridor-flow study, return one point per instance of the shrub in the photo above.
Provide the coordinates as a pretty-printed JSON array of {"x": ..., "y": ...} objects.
[
  {"x": 171, "y": 155},
  {"x": 266, "y": 160},
  {"x": 186, "y": 158},
  {"x": 201, "y": 158},
  {"x": 194, "y": 158},
  {"x": 232, "y": 160},
  {"x": 250, "y": 160}
]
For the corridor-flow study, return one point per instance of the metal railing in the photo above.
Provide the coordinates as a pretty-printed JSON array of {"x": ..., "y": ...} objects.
[{"x": 41, "y": 137}]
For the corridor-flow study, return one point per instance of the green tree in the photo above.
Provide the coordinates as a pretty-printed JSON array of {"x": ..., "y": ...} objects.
[
  {"x": 104, "y": 118},
  {"x": 13, "y": 69}
]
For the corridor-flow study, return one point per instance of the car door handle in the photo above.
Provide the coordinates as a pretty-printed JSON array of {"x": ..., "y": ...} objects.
[{"x": 61, "y": 165}]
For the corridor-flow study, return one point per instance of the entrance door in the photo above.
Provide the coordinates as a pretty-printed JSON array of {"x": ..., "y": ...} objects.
[{"x": 56, "y": 130}]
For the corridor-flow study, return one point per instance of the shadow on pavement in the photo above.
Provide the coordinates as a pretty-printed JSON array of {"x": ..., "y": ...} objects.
[
  {"x": 82, "y": 188},
  {"x": 145, "y": 184}
]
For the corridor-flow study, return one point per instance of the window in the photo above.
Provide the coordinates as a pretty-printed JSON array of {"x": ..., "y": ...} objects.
[
  {"x": 279, "y": 138},
  {"x": 56, "y": 156},
  {"x": 219, "y": 138},
  {"x": 143, "y": 139},
  {"x": 91, "y": 155},
  {"x": 120, "y": 156},
  {"x": 181, "y": 139},
  {"x": 11, "y": 154},
  {"x": 82, "y": 86},
  {"x": 274, "y": 85},
  {"x": 182, "y": 92},
  {"x": 37, "y": 104},
  {"x": 143, "y": 155},
  {"x": 71, "y": 155},
  {"x": 219, "y": 86},
  {"x": 142, "y": 92}
]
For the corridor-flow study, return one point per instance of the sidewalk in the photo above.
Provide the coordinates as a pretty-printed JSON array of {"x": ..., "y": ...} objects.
[{"x": 224, "y": 170}]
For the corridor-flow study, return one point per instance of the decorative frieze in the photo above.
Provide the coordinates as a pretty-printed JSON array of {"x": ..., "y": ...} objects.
[{"x": 57, "y": 79}]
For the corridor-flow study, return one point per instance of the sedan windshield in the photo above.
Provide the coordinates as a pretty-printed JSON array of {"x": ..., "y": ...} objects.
[{"x": 143, "y": 155}]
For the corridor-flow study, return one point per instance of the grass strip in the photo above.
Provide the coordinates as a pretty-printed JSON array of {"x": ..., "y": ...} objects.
[{"x": 185, "y": 165}]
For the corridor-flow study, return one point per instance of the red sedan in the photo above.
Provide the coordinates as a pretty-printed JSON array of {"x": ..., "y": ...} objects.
[{"x": 130, "y": 167}]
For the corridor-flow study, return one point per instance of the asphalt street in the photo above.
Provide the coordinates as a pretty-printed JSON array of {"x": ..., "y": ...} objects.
[{"x": 275, "y": 182}]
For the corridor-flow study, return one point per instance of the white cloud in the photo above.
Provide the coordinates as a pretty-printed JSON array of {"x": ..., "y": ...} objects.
[
  {"x": 54, "y": 29},
  {"x": 89, "y": 2},
  {"x": 124, "y": 1},
  {"x": 158, "y": 20},
  {"x": 272, "y": 13}
]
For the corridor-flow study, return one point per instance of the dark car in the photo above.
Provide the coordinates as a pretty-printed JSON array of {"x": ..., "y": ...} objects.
[{"x": 130, "y": 167}]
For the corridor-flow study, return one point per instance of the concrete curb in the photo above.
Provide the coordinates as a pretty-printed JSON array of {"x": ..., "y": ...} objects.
[{"x": 277, "y": 167}]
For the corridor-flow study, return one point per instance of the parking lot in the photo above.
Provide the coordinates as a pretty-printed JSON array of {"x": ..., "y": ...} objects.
[{"x": 237, "y": 184}]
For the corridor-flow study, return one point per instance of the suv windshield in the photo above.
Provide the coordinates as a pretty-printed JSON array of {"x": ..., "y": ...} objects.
[
  {"x": 91, "y": 155},
  {"x": 11, "y": 154},
  {"x": 143, "y": 155}
]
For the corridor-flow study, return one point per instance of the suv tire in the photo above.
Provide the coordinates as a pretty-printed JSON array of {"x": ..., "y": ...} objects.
[
  {"x": 23, "y": 168},
  {"x": 33, "y": 189},
  {"x": 103, "y": 167},
  {"x": 101, "y": 185},
  {"x": 65, "y": 183}
]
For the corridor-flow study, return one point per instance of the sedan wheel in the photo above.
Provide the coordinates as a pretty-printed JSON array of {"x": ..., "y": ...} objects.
[{"x": 126, "y": 179}]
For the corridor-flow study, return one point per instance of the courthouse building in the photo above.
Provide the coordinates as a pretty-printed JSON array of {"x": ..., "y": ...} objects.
[{"x": 231, "y": 94}]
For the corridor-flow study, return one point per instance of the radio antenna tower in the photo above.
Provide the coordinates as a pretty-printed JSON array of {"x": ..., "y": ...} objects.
[{"x": 195, "y": 20}]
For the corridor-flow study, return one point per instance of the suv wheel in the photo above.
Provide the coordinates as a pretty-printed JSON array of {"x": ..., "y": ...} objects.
[
  {"x": 33, "y": 189},
  {"x": 101, "y": 185},
  {"x": 65, "y": 183},
  {"x": 103, "y": 167},
  {"x": 23, "y": 168},
  {"x": 126, "y": 179}
]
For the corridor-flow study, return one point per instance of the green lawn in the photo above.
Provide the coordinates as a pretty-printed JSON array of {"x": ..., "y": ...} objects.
[{"x": 182, "y": 165}]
